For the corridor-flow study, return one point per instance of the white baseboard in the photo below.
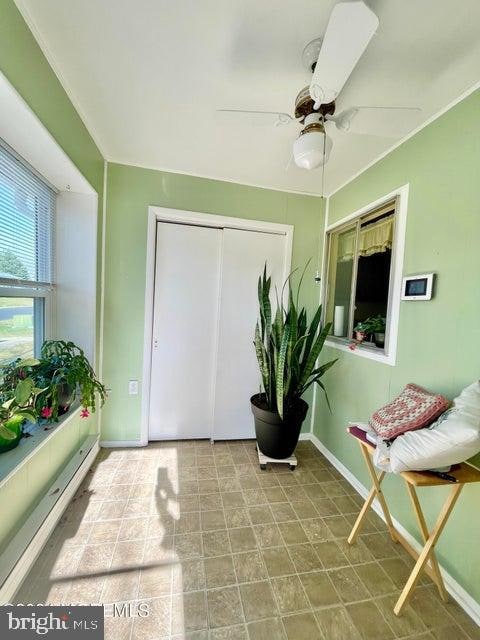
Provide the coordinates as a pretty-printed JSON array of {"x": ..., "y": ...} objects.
[
  {"x": 458, "y": 593},
  {"x": 25, "y": 547},
  {"x": 111, "y": 444}
]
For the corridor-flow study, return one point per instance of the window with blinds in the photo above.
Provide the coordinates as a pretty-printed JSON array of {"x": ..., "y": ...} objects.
[
  {"x": 27, "y": 226},
  {"x": 27, "y": 217}
]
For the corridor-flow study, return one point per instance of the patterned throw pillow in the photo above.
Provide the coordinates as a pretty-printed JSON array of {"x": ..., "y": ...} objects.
[{"x": 414, "y": 408}]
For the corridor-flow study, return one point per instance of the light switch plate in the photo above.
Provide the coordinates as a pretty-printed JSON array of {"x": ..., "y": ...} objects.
[{"x": 133, "y": 387}]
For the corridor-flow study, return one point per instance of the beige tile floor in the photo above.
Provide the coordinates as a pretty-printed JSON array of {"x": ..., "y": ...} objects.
[{"x": 220, "y": 550}]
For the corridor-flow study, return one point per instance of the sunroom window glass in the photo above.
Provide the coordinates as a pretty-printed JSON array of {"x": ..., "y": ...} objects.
[
  {"x": 359, "y": 271},
  {"x": 27, "y": 210},
  {"x": 21, "y": 327},
  {"x": 373, "y": 268},
  {"x": 340, "y": 278}
]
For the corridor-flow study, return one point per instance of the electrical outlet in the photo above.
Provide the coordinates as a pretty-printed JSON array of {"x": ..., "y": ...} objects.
[{"x": 133, "y": 387}]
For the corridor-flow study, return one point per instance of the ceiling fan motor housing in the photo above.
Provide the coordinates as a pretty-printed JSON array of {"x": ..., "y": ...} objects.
[{"x": 304, "y": 106}]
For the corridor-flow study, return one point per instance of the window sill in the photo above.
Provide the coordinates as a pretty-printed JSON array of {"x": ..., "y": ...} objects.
[
  {"x": 11, "y": 461},
  {"x": 371, "y": 352}
]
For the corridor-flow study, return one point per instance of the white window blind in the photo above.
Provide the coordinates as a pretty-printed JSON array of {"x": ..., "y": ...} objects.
[{"x": 27, "y": 224}]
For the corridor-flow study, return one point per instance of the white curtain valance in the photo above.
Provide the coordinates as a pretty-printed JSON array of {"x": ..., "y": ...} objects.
[
  {"x": 374, "y": 238},
  {"x": 346, "y": 246}
]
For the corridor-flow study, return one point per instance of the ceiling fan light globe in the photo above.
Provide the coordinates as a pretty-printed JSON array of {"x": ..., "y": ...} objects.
[{"x": 308, "y": 150}]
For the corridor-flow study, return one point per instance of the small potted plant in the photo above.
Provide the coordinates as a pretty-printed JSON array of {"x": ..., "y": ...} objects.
[
  {"x": 19, "y": 399},
  {"x": 372, "y": 326},
  {"x": 287, "y": 348},
  {"x": 377, "y": 327}
]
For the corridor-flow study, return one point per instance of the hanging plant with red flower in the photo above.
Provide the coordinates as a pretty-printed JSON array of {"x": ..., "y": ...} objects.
[{"x": 69, "y": 377}]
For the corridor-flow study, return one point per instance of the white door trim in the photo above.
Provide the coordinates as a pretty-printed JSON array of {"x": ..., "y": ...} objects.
[{"x": 162, "y": 214}]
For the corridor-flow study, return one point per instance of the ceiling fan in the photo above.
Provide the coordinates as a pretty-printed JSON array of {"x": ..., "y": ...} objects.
[{"x": 331, "y": 59}]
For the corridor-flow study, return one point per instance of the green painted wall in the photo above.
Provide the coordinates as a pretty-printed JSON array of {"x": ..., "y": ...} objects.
[
  {"x": 24, "y": 65},
  {"x": 438, "y": 342},
  {"x": 130, "y": 191}
]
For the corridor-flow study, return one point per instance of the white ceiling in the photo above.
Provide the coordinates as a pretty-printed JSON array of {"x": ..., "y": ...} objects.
[{"x": 148, "y": 75}]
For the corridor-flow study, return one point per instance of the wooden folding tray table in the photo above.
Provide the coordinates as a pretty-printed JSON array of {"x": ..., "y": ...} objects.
[{"x": 425, "y": 560}]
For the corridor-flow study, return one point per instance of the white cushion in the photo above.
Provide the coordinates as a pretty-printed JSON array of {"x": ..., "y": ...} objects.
[{"x": 452, "y": 439}]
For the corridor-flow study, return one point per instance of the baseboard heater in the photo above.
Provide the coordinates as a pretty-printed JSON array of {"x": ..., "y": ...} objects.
[{"x": 19, "y": 556}]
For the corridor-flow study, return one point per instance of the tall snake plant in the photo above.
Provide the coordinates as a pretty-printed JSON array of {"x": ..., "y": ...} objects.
[{"x": 287, "y": 348}]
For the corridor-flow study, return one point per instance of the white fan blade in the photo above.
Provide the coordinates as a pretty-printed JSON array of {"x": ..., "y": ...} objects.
[
  {"x": 349, "y": 30},
  {"x": 289, "y": 163},
  {"x": 282, "y": 118},
  {"x": 344, "y": 119}
]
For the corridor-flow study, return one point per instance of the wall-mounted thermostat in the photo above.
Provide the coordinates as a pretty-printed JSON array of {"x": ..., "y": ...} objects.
[{"x": 417, "y": 287}]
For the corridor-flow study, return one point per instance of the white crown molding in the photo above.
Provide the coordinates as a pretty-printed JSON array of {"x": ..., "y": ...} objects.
[
  {"x": 206, "y": 176},
  {"x": 458, "y": 593}
]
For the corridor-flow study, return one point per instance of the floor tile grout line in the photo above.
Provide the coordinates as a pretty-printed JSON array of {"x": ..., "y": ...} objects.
[
  {"x": 248, "y": 493},
  {"x": 270, "y": 578}
]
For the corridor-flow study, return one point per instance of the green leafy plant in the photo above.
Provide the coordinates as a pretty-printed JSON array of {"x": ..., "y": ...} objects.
[
  {"x": 19, "y": 395},
  {"x": 378, "y": 324},
  {"x": 287, "y": 348},
  {"x": 65, "y": 370},
  {"x": 371, "y": 325},
  {"x": 62, "y": 372}
]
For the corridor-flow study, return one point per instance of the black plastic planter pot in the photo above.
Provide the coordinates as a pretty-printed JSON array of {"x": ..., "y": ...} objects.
[
  {"x": 379, "y": 340},
  {"x": 277, "y": 438}
]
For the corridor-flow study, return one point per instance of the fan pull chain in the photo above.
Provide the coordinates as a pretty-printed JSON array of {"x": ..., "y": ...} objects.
[
  {"x": 318, "y": 277},
  {"x": 323, "y": 163}
]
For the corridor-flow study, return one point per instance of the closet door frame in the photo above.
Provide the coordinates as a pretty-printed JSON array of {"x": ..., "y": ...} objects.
[{"x": 162, "y": 214}]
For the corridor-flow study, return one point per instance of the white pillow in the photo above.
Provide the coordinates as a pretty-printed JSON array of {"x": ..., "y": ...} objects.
[{"x": 453, "y": 438}]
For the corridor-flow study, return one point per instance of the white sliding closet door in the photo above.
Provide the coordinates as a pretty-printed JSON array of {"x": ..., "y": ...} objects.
[
  {"x": 238, "y": 378},
  {"x": 187, "y": 278}
]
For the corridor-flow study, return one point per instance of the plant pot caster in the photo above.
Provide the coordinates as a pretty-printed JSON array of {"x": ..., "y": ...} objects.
[{"x": 263, "y": 460}]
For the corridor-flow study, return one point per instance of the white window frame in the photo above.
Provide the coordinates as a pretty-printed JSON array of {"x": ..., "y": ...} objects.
[
  {"x": 48, "y": 296},
  {"x": 389, "y": 354}
]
